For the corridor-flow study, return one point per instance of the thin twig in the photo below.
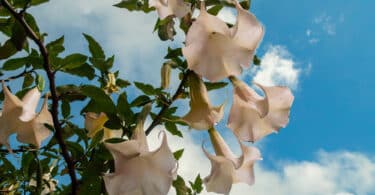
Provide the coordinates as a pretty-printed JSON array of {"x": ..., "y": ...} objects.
[
  {"x": 18, "y": 76},
  {"x": 52, "y": 85},
  {"x": 165, "y": 107}
]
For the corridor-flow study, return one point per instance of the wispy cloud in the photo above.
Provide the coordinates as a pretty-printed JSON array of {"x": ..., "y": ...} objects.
[
  {"x": 334, "y": 173},
  {"x": 277, "y": 68}
]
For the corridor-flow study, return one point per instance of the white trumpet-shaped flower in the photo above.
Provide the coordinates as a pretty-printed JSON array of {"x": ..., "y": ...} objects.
[
  {"x": 253, "y": 116},
  {"x": 165, "y": 8},
  {"x": 202, "y": 114},
  {"x": 19, "y": 117},
  {"x": 216, "y": 51},
  {"x": 95, "y": 122},
  {"x": 226, "y": 168},
  {"x": 138, "y": 170}
]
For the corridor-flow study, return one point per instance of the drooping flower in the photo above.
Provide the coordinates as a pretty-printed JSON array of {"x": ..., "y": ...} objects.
[
  {"x": 215, "y": 51},
  {"x": 137, "y": 169},
  {"x": 202, "y": 114},
  {"x": 111, "y": 86},
  {"x": 95, "y": 122},
  {"x": 226, "y": 168},
  {"x": 253, "y": 116},
  {"x": 19, "y": 117},
  {"x": 165, "y": 8}
]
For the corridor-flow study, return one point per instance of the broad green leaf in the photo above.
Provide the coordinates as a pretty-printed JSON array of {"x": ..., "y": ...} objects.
[
  {"x": 147, "y": 88},
  {"x": 134, "y": 5},
  {"x": 124, "y": 109},
  {"x": 27, "y": 80},
  {"x": 40, "y": 82},
  {"x": 180, "y": 186},
  {"x": 256, "y": 60},
  {"x": 215, "y": 9},
  {"x": 85, "y": 70},
  {"x": 70, "y": 93},
  {"x": 177, "y": 155},
  {"x": 140, "y": 101},
  {"x": 18, "y": 36},
  {"x": 73, "y": 61},
  {"x": 212, "y": 86},
  {"x": 172, "y": 128},
  {"x": 100, "y": 99},
  {"x": 55, "y": 47},
  {"x": 37, "y": 2},
  {"x": 115, "y": 140},
  {"x": 122, "y": 83},
  {"x": 94, "y": 47},
  {"x": 65, "y": 108},
  {"x": 14, "y": 64},
  {"x": 197, "y": 186},
  {"x": 7, "y": 49}
]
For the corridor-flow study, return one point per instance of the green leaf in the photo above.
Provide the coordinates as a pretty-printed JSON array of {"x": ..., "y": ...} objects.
[
  {"x": 215, "y": 9},
  {"x": 32, "y": 23},
  {"x": 18, "y": 36},
  {"x": 197, "y": 186},
  {"x": 134, "y": 5},
  {"x": 172, "y": 128},
  {"x": 37, "y": 2},
  {"x": 124, "y": 109},
  {"x": 40, "y": 82},
  {"x": 147, "y": 88},
  {"x": 177, "y": 155},
  {"x": 122, "y": 83},
  {"x": 27, "y": 80},
  {"x": 73, "y": 61},
  {"x": 94, "y": 47},
  {"x": 55, "y": 47},
  {"x": 212, "y": 86},
  {"x": 97, "y": 138},
  {"x": 140, "y": 101},
  {"x": 115, "y": 140},
  {"x": 65, "y": 108},
  {"x": 7, "y": 49},
  {"x": 256, "y": 60},
  {"x": 180, "y": 186},
  {"x": 85, "y": 70},
  {"x": 101, "y": 101},
  {"x": 14, "y": 64},
  {"x": 113, "y": 122},
  {"x": 173, "y": 53},
  {"x": 70, "y": 93}
]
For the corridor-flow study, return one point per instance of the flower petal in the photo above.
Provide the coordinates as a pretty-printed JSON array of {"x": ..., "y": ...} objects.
[
  {"x": 142, "y": 173},
  {"x": 94, "y": 122},
  {"x": 245, "y": 173},
  {"x": 34, "y": 131},
  {"x": 221, "y": 176},
  {"x": 30, "y": 102},
  {"x": 247, "y": 32},
  {"x": 201, "y": 115},
  {"x": 245, "y": 120},
  {"x": 12, "y": 109}
]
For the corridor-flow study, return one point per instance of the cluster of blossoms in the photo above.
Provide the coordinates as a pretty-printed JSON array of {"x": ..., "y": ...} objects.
[{"x": 214, "y": 52}]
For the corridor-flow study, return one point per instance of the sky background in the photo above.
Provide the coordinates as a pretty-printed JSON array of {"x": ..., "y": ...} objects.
[{"x": 321, "y": 49}]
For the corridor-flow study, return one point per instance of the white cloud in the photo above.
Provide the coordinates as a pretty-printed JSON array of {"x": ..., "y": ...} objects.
[
  {"x": 327, "y": 23},
  {"x": 129, "y": 35},
  {"x": 277, "y": 68},
  {"x": 331, "y": 173}
]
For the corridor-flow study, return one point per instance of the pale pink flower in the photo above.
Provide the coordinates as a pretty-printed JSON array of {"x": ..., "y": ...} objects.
[
  {"x": 138, "y": 170},
  {"x": 215, "y": 51},
  {"x": 253, "y": 116},
  {"x": 19, "y": 117},
  {"x": 202, "y": 114},
  {"x": 226, "y": 168}
]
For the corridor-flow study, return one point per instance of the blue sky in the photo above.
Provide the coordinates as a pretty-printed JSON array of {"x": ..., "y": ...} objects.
[{"x": 325, "y": 45}]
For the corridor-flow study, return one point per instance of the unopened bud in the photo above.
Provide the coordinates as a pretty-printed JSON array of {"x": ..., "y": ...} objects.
[{"x": 165, "y": 75}]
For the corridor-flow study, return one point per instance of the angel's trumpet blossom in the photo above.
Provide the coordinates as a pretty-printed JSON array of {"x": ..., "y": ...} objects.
[
  {"x": 18, "y": 116},
  {"x": 226, "y": 168},
  {"x": 253, "y": 116},
  {"x": 95, "y": 122},
  {"x": 138, "y": 170},
  {"x": 202, "y": 114},
  {"x": 165, "y": 8},
  {"x": 215, "y": 51}
]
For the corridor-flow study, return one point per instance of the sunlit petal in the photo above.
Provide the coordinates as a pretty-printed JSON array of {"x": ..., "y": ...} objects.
[{"x": 165, "y": 8}]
